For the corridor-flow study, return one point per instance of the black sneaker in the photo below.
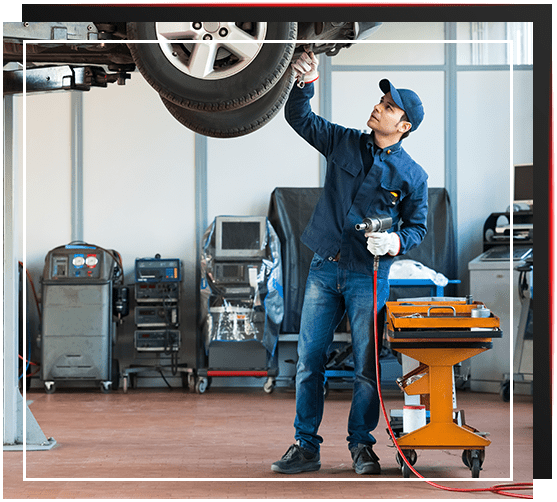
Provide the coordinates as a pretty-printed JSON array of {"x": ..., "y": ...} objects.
[
  {"x": 297, "y": 459},
  {"x": 364, "y": 460}
]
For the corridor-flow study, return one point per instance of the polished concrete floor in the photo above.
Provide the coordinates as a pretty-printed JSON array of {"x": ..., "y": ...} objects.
[{"x": 172, "y": 443}]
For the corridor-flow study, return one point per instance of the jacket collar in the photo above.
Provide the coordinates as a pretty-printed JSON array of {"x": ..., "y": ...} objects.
[{"x": 382, "y": 152}]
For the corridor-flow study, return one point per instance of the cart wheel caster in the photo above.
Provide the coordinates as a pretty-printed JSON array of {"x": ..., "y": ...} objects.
[
  {"x": 505, "y": 391},
  {"x": 411, "y": 456},
  {"x": 466, "y": 458},
  {"x": 201, "y": 385},
  {"x": 476, "y": 467},
  {"x": 269, "y": 385},
  {"x": 473, "y": 459},
  {"x": 106, "y": 387},
  {"x": 125, "y": 383},
  {"x": 50, "y": 387}
]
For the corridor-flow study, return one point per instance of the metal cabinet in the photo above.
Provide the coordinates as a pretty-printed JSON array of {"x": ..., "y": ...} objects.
[{"x": 495, "y": 282}]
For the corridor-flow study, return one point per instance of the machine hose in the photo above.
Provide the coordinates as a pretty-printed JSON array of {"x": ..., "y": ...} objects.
[
  {"x": 500, "y": 489},
  {"x": 28, "y": 362}
]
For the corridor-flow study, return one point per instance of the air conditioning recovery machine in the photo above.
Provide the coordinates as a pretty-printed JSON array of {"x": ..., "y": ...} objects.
[{"x": 82, "y": 295}]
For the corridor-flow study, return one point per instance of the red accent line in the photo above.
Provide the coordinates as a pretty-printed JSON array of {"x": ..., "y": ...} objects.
[{"x": 220, "y": 373}]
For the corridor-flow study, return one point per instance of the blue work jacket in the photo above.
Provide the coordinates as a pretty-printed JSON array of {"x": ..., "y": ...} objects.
[{"x": 395, "y": 185}]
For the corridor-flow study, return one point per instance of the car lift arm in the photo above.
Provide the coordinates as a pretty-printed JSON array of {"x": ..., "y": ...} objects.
[{"x": 65, "y": 77}]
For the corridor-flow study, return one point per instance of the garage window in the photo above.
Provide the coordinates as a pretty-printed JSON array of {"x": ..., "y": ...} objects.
[{"x": 486, "y": 51}]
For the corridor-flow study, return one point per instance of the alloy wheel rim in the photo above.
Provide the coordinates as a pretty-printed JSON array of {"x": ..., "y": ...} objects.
[{"x": 229, "y": 47}]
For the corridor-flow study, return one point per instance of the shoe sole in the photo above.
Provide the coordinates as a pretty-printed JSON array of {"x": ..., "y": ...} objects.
[
  {"x": 306, "y": 468},
  {"x": 368, "y": 469}
]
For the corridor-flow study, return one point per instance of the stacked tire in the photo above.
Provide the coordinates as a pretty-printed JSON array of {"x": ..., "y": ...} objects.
[{"x": 218, "y": 79}]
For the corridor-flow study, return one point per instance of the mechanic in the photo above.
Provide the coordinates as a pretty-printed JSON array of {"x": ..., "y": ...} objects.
[{"x": 367, "y": 175}]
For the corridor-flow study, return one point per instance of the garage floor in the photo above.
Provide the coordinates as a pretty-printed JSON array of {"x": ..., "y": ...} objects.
[{"x": 229, "y": 435}]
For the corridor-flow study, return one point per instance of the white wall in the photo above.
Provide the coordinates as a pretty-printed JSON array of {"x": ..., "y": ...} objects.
[
  {"x": 523, "y": 133},
  {"x": 483, "y": 156},
  {"x": 243, "y": 172},
  {"x": 48, "y": 174},
  {"x": 138, "y": 174}
]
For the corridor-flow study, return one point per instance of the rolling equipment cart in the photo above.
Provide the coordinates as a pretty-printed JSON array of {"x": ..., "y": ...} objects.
[
  {"x": 82, "y": 296},
  {"x": 440, "y": 334},
  {"x": 242, "y": 301},
  {"x": 157, "y": 318}
]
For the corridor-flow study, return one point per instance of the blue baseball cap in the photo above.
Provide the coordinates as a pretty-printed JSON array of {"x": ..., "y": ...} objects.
[{"x": 407, "y": 100}]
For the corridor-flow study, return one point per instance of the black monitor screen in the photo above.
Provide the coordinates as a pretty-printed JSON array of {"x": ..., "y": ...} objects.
[{"x": 240, "y": 235}]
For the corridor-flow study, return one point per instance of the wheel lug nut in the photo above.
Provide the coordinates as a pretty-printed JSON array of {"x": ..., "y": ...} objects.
[
  {"x": 207, "y": 37},
  {"x": 196, "y": 26},
  {"x": 223, "y": 32}
]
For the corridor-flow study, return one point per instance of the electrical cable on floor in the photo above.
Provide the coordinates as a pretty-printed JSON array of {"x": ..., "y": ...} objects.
[
  {"x": 499, "y": 489},
  {"x": 164, "y": 378}
]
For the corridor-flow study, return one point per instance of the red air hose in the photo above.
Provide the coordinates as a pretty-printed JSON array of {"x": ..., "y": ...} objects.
[{"x": 500, "y": 489}]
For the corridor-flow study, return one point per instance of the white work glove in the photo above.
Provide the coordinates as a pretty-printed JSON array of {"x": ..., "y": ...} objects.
[
  {"x": 305, "y": 68},
  {"x": 381, "y": 243}
]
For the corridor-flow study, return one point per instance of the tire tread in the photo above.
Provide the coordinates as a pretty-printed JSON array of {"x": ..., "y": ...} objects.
[{"x": 230, "y": 104}]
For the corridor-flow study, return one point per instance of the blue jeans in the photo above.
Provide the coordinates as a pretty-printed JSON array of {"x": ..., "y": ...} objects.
[{"x": 330, "y": 291}]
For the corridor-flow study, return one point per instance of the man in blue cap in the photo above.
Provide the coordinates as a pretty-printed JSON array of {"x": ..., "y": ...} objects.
[{"x": 367, "y": 175}]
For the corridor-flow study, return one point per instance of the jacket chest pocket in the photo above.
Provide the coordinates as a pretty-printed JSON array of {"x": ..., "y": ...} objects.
[
  {"x": 343, "y": 166},
  {"x": 342, "y": 180},
  {"x": 390, "y": 195},
  {"x": 350, "y": 168}
]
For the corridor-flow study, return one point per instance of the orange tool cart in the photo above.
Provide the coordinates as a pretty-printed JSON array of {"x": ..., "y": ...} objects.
[{"x": 439, "y": 334}]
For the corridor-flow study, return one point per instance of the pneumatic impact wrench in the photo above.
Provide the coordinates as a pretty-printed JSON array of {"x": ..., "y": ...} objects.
[{"x": 380, "y": 223}]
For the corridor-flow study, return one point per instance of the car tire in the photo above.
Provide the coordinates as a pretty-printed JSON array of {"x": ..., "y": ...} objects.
[
  {"x": 237, "y": 122},
  {"x": 228, "y": 81}
]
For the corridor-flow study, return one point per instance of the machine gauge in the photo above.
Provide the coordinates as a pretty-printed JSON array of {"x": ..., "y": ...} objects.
[
  {"x": 92, "y": 261},
  {"x": 78, "y": 260}
]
